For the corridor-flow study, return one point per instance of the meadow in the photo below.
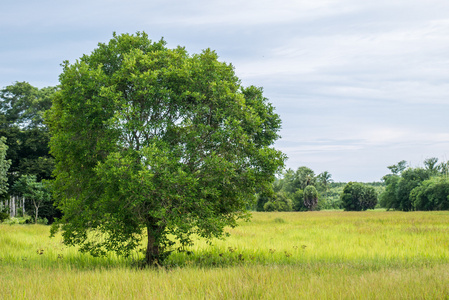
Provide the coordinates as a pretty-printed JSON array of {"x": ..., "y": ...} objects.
[{"x": 291, "y": 255}]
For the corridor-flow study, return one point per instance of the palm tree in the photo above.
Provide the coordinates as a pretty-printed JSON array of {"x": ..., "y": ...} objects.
[{"x": 325, "y": 178}]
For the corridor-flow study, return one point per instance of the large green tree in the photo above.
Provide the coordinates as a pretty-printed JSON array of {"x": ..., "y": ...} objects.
[{"x": 151, "y": 140}]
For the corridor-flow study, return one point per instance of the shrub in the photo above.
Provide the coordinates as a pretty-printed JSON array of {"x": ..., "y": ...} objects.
[
  {"x": 432, "y": 194},
  {"x": 270, "y": 206},
  {"x": 279, "y": 202},
  {"x": 3, "y": 216},
  {"x": 356, "y": 197}
]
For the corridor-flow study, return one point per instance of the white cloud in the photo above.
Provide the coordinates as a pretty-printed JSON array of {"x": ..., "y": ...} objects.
[{"x": 359, "y": 84}]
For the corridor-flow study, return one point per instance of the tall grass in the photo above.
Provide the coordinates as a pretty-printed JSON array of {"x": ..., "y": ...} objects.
[
  {"x": 369, "y": 238},
  {"x": 314, "y": 255}
]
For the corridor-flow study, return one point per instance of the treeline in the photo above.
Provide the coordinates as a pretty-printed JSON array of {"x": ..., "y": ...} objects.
[
  {"x": 406, "y": 188},
  {"x": 302, "y": 190},
  {"x": 422, "y": 188},
  {"x": 25, "y": 162}
]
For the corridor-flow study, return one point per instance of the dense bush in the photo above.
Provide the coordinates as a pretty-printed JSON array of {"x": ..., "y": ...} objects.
[
  {"x": 410, "y": 178},
  {"x": 298, "y": 200},
  {"x": 279, "y": 202},
  {"x": 410, "y": 189},
  {"x": 432, "y": 194},
  {"x": 357, "y": 196},
  {"x": 3, "y": 216}
]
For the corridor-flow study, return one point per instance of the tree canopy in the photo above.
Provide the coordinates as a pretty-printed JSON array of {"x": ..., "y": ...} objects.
[
  {"x": 37, "y": 193},
  {"x": 22, "y": 107},
  {"x": 310, "y": 197},
  {"x": 152, "y": 140},
  {"x": 357, "y": 196},
  {"x": 419, "y": 188}
]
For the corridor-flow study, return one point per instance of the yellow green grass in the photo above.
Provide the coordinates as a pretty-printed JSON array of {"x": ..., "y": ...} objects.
[{"x": 313, "y": 255}]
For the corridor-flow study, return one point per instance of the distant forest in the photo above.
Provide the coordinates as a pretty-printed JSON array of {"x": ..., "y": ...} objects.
[{"x": 405, "y": 188}]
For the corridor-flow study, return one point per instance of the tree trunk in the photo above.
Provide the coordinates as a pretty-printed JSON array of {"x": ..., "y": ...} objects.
[
  {"x": 12, "y": 206},
  {"x": 37, "y": 211},
  {"x": 154, "y": 249}
]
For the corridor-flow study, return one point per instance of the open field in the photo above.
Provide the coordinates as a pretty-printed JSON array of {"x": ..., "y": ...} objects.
[{"x": 343, "y": 255}]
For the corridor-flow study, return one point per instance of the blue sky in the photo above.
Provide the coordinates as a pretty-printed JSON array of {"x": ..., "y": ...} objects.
[{"x": 359, "y": 85}]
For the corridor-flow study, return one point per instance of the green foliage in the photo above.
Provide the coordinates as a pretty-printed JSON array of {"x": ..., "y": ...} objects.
[
  {"x": 289, "y": 183},
  {"x": 263, "y": 198},
  {"x": 431, "y": 194},
  {"x": 388, "y": 198},
  {"x": 431, "y": 165},
  {"x": 333, "y": 196},
  {"x": 4, "y": 215},
  {"x": 324, "y": 178},
  {"x": 398, "y": 168},
  {"x": 292, "y": 184},
  {"x": 37, "y": 193},
  {"x": 21, "y": 121},
  {"x": 417, "y": 188},
  {"x": 298, "y": 200},
  {"x": 305, "y": 177},
  {"x": 310, "y": 197},
  {"x": 23, "y": 105},
  {"x": 410, "y": 178},
  {"x": 151, "y": 139},
  {"x": 357, "y": 197},
  {"x": 4, "y": 166},
  {"x": 279, "y": 202}
]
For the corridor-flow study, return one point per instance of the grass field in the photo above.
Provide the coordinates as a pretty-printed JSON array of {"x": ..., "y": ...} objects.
[{"x": 312, "y": 255}]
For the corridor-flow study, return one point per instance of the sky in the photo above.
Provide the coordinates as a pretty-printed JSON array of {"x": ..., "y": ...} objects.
[{"x": 359, "y": 85}]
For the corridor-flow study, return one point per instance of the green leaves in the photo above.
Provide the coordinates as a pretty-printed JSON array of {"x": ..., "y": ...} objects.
[
  {"x": 4, "y": 166},
  {"x": 356, "y": 197},
  {"x": 38, "y": 193},
  {"x": 150, "y": 137}
]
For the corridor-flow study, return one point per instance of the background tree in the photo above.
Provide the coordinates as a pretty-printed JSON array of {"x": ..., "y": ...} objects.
[
  {"x": 444, "y": 168},
  {"x": 4, "y": 166},
  {"x": 310, "y": 197},
  {"x": 323, "y": 180},
  {"x": 21, "y": 121},
  {"x": 431, "y": 194},
  {"x": 37, "y": 193},
  {"x": 398, "y": 168},
  {"x": 305, "y": 177},
  {"x": 279, "y": 202},
  {"x": 356, "y": 197},
  {"x": 416, "y": 188},
  {"x": 289, "y": 181},
  {"x": 369, "y": 198},
  {"x": 151, "y": 139},
  {"x": 388, "y": 198},
  {"x": 410, "y": 178},
  {"x": 298, "y": 200},
  {"x": 432, "y": 166}
]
